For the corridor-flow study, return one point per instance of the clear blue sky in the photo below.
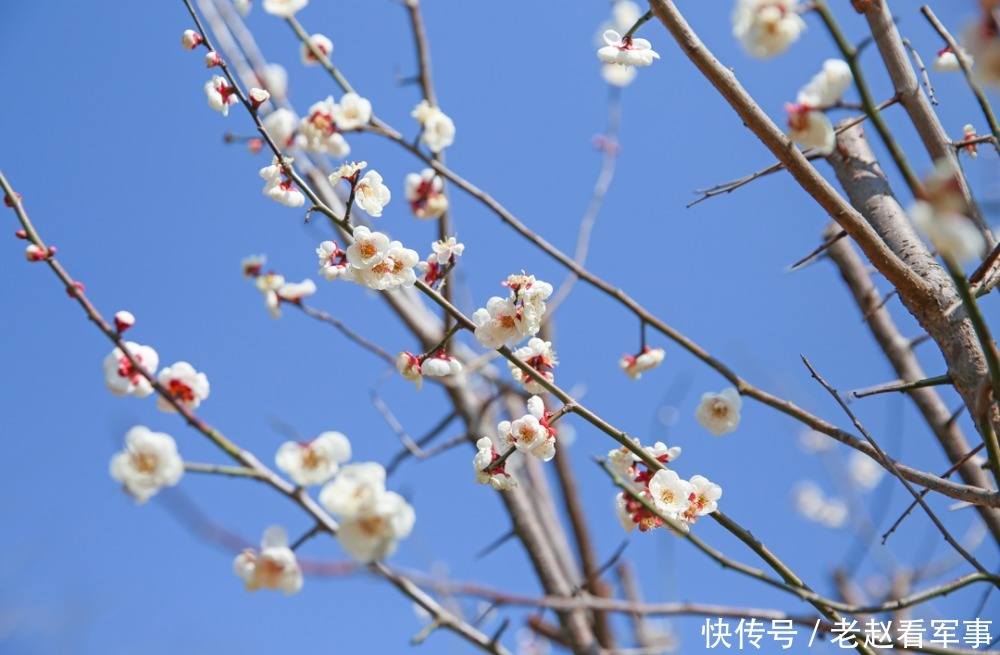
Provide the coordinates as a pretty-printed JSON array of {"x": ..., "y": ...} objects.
[{"x": 121, "y": 164}]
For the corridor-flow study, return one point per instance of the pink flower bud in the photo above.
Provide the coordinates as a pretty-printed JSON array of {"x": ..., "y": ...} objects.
[
  {"x": 258, "y": 97},
  {"x": 212, "y": 59},
  {"x": 190, "y": 39},
  {"x": 255, "y": 145},
  {"x": 21, "y": 234},
  {"x": 7, "y": 201},
  {"x": 123, "y": 321},
  {"x": 35, "y": 253},
  {"x": 76, "y": 288}
]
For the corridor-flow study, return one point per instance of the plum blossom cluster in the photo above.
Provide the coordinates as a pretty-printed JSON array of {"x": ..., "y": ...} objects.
[
  {"x": 531, "y": 434},
  {"x": 719, "y": 413},
  {"x": 273, "y": 567},
  {"x": 644, "y": 360},
  {"x": 540, "y": 357},
  {"x": 490, "y": 467},
  {"x": 808, "y": 124},
  {"x": 181, "y": 383},
  {"x": 515, "y": 317},
  {"x": 148, "y": 463},
  {"x": 444, "y": 255},
  {"x": 437, "y": 129},
  {"x": 321, "y": 129},
  {"x": 415, "y": 367},
  {"x": 279, "y": 186},
  {"x": 274, "y": 287},
  {"x": 943, "y": 215},
  {"x": 372, "y": 519},
  {"x": 372, "y": 261},
  {"x": 681, "y": 501},
  {"x": 766, "y": 28},
  {"x": 368, "y": 192}
]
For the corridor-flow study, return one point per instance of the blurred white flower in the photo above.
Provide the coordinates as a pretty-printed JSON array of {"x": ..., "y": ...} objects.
[
  {"x": 648, "y": 359},
  {"x": 355, "y": 486},
  {"x": 318, "y": 131},
  {"x": 425, "y": 194},
  {"x": 373, "y": 533},
  {"x": 148, "y": 463},
  {"x": 827, "y": 86},
  {"x": 284, "y": 8},
  {"x": 274, "y": 567},
  {"x": 281, "y": 124},
  {"x": 982, "y": 41},
  {"x": 321, "y": 43},
  {"x": 947, "y": 60},
  {"x": 943, "y": 216},
  {"x": 122, "y": 378},
  {"x": 810, "y": 128},
  {"x": 408, "y": 365},
  {"x": 315, "y": 462},
  {"x": 352, "y": 112},
  {"x": 438, "y": 129},
  {"x": 767, "y": 27},
  {"x": 719, "y": 413},
  {"x": 865, "y": 471}
]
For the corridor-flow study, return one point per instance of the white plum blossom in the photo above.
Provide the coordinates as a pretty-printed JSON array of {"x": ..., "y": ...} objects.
[
  {"x": 371, "y": 195},
  {"x": 408, "y": 365},
  {"x": 947, "y": 60},
  {"x": 242, "y": 6},
  {"x": 767, "y": 27},
  {"x": 827, "y": 86},
  {"x": 970, "y": 133},
  {"x": 122, "y": 378},
  {"x": 284, "y": 8},
  {"x": 148, "y": 463},
  {"x": 352, "y": 112},
  {"x": 704, "y": 498},
  {"x": 220, "y": 94},
  {"x": 447, "y": 250},
  {"x": 810, "y": 128},
  {"x": 333, "y": 261},
  {"x": 374, "y": 532},
  {"x": 280, "y": 187},
  {"x": 368, "y": 248},
  {"x": 619, "y": 76},
  {"x": 425, "y": 194},
  {"x": 296, "y": 291},
  {"x": 268, "y": 284},
  {"x": 982, "y": 41},
  {"x": 539, "y": 355},
  {"x": 661, "y": 452},
  {"x": 719, "y": 413},
  {"x": 865, "y": 471},
  {"x": 372, "y": 520},
  {"x": 943, "y": 216},
  {"x": 356, "y": 485},
  {"x": 496, "y": 323},
  {"x": 624, "y": 14},
  {"x": 438, "y": 130},
  {"x": 186, "y": 385},
  {"x": 645, "y": 360},
  {"x": 812, "y": 503},
  {"x": 623, "y": 511},
  {"x": 495, "y": 476},
  {"x": 282, "y": 124},
  {"x": 318, "y": 131},
  {"x": 274, "y": 567},
  {"x": 258, "y": 96},
  {"x": 671, "y": 495},
  {"x": 319, "y": 42},
  {"x": 315, "y": 462},
  {"x": 626, "y": 51},
  {"x": 394, "y": 269},
  {"x": 274, "y": 78},
  {"x": 212, "y": 59},
  {"x": 531, "y": 433},
  {"x": 348, "y": 171}
]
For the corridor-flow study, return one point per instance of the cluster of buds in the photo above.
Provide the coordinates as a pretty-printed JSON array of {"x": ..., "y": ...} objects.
[{"x": 415, "y": 367}]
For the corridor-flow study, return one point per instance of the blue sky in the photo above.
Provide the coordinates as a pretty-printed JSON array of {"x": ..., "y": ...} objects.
[{"x": 123, "y": 168}]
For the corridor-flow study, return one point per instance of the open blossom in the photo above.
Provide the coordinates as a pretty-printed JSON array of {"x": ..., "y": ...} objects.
[
  {"x": 394, "y": 269},
  {"x": 661, "y": 452},
  {"x": 704, "y": 498},
  {"x": 282, "y": 124},
  {"x": 148, "y": 463},
  {"x": 425, "y": 194},
  {"x": 348, "y": 171},
  {"x": 626, "y": 51},
  {"x": 827, "y": 86},
  {"x": 810, "y": 128},
  {"x": 943, "y": 216},
  {"x": 446, "y": 251},
  {"x": 352, "y": 112},
  {"x": 368, "y": 248},
  {"x": 284, "y": 8},
  {"x": 538, "y": 355},
  {"x": 646, "y": 360},
  {"x": 372, "y": 519},
  {"x": 315, "y": 462},
  {"x": 719, "y": 413},
  {"x": 408, "y": 365},
  {"x": 531, "y": 433},
  {"x": 268, "y": 284},
  {"x": 671, "y": 494},
  {"x": 220, "y": 94},
  {"x": 767, "y": 27},
  {"x": 947, "y": 61},
  {"x": 438, "y": 129},
  {"x": 333, "y": 261},
  {"x": 274, "y": 567},
  {"x": 371, "y": 195},
  {"x": 319, "y": 42},
  {"x": 122, "y": 378},
  {"x": 497, "y": 322},
  {"x": 624, "y": 14},
  {"x": 186, "y": 385},
  {"x": 515, "y": 317},
  {"x": 318, "y": 131},
  {"x": 486, "y": 473}
]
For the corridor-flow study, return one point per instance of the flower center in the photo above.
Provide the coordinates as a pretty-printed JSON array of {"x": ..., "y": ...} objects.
[
  {"x": 180, "y": 391},
  {"x": 144, "y": 462}
]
